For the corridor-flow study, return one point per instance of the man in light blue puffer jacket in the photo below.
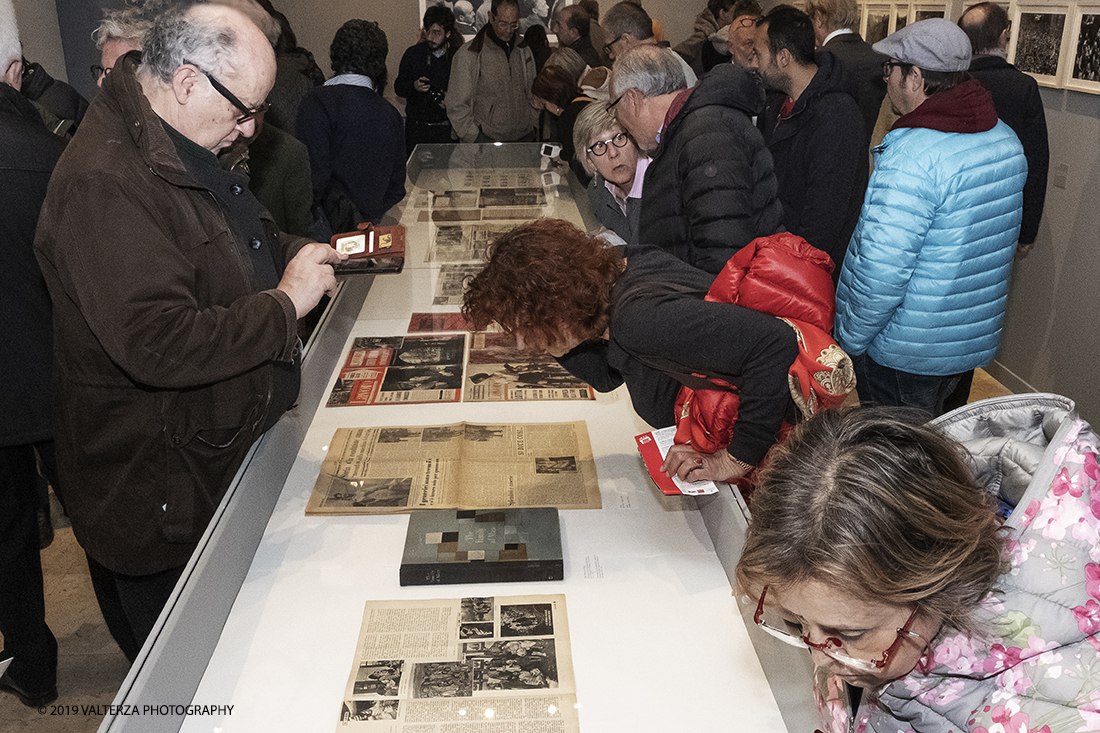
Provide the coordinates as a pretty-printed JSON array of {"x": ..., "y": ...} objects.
[{"x": 923, "y": 287}]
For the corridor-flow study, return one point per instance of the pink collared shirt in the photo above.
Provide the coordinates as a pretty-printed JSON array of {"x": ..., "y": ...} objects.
[{"x": 635, "y": 189}]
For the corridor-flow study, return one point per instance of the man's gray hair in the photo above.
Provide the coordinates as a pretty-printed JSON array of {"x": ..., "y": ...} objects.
[
  {"x": 569, "y": 61},
  {"x": 10, "y": 48},
  {"x": 652, "y": 70},
  {"x": 185, "y": 34},
  {"x": 129, "y": 23},
  {"x": 627, "y": 18}
]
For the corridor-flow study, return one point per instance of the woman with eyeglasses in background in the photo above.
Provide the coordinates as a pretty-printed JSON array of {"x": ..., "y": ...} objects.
[
  {"x": 877, "y": 544},
  {"x": 618, "y": 168}
]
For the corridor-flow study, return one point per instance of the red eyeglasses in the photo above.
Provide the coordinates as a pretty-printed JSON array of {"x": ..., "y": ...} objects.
[{"x": 831, "y": 646}]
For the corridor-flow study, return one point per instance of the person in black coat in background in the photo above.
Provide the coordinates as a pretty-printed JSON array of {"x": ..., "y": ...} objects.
[
  {"x": 835, "y": 23},
  {"x": 814, "y": 131},
  {"x": 353, "y": 135},
  {"x": 1016, "y": 97},
  {"x": 28, "y": 153},
  {"x": 423, "y": 77}
]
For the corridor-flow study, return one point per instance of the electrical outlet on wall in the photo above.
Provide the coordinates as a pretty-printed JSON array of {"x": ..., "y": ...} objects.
[{"x": 1061, "y": 173}]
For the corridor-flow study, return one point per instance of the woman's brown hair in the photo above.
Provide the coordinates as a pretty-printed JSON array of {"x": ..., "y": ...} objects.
[
  {"x": 547, "y": 281},
  {"x": 873, "y": 503}
]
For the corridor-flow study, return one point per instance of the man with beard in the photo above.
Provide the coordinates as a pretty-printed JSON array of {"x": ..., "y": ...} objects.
[
  {"x": 423, "y": 77},
  {"x": 814, "y": 131}
]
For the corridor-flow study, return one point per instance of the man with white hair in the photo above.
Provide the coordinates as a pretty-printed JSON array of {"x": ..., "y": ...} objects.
[
  {"x": 176, "y": 303},
  {"x": 28, "y": 153},
  {"x": 120, "y": 32},
  {"x": 711, "y": 187}
]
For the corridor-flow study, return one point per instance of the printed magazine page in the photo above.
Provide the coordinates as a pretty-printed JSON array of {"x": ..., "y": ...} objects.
[
  {"x": 402, "y": 370},
  {"x": 495, "y": 665},
  {"x": 386, "y": 470},
  {"x": 497, "y": 371}
]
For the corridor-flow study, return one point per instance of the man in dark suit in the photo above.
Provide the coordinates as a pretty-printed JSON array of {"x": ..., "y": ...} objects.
[
  {"x": 835, "y": 22},
  {"x": 1016, "y": 97}
]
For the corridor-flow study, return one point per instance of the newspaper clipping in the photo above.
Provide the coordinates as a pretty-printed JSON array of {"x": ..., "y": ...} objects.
[
  {"x": 451, "y": 285},
  {"x": 498, "y": 665},
  {"x": 463, "y": 242},
  {"x": 401, "y": 370},
  {"x": 497, "y": 371},
  {"x": 386, "y": 470}
]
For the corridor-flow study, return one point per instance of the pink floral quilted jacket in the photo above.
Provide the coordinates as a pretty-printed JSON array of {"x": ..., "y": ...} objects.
[{"x": 1039, "y": 671}]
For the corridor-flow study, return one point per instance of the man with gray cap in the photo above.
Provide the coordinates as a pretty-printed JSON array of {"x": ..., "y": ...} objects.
[{"x": 923, "y": 287}]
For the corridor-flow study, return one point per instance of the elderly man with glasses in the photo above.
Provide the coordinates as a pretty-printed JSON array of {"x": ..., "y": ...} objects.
[
  {"x": 176, "y": 303},
  {"x": 711, "y": 187}
]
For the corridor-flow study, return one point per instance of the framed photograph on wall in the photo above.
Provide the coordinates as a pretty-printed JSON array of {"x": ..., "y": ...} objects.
[
  {"x": 1039, "y": 39},
  {"x": 876, "y": 23},
  {"x": 1084, "y": 66},
  {"x": 901, "y": 17},
  {"x": 925, "y": 12}
]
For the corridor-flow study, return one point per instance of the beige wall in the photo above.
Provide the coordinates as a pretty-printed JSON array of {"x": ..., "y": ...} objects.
[{"x": 40, "y": 35}]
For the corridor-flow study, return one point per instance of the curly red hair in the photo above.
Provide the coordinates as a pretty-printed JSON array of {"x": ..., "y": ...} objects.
[{"x": 546, "y": 281}]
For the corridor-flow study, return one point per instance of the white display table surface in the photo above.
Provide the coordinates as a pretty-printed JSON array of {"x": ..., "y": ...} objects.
[{"x": 658, "y": 642}]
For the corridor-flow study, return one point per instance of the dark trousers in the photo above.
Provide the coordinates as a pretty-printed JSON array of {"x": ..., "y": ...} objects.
[
  {"x": 130, "y": 604},
  {"x": 882, "y": 385},
  {"x": 27, "y": 638},
  {"x": 423, "y": 132},
  {"x": 961, "y": 393}
]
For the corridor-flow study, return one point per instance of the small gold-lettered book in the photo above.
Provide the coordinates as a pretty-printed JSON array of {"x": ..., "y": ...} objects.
[{"x": 370, "y": 249}]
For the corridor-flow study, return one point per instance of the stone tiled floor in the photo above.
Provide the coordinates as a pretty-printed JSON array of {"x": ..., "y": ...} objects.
[{"x": 90, "y": 666}]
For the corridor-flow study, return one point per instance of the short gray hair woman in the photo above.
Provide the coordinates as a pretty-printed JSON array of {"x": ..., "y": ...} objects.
[{"x": 607, "y": 152}]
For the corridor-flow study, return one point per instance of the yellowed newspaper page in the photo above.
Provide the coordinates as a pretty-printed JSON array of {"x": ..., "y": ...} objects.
[
  {"x": 463, "y": 466},
  {"x": 497, "y": 664}
]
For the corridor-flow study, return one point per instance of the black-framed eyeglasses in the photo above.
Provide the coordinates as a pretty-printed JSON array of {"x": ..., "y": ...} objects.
[
  {"x": 747, "y": 21},
  {"x": 247, "y": 113},
  {"x": 99, "y": 71},
  {"x": 888, "y": 67},
  {"x": 607, "y": 46},
  {"x": 617, "y": 100},
  {"x": 600, "y": 146}
]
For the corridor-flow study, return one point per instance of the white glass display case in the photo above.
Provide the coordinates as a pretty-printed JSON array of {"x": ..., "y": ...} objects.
[{"x": 267, "y": 613}]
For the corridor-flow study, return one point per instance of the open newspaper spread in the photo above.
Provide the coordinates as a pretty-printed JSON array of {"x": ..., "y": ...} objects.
[
  {"x": 383, "y": 470},
  {"x": 491, "y": 665}
]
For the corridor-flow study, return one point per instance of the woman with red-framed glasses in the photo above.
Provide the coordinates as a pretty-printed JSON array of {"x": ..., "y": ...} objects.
[{"x": 878, "y": 545}]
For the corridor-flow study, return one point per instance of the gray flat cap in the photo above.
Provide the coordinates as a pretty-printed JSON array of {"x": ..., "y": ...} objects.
[{"x": 936, "y": 45}]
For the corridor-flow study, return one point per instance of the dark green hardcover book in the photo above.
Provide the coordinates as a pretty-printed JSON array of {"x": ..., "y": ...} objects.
[{"x": 449, "y": 546}]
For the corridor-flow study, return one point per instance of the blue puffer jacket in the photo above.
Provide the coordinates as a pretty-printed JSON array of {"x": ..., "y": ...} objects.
[{"x": 925, "y": 280}]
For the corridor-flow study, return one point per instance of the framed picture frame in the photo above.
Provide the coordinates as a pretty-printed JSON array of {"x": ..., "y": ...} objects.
[
  {"x": 876, "y": 23},
  {"x": 901, "y": 17},
  {"x": 1040, "y": 41},
  {"x": 927, "y": 12},
  {"x": 1083, "y": 64}
]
